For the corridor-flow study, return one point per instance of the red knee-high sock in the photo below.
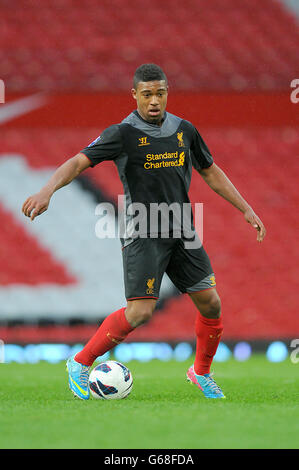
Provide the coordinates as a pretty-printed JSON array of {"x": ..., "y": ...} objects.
[
  {"x": 208, "y": 332},
  {"x": 114, "y": 329}
]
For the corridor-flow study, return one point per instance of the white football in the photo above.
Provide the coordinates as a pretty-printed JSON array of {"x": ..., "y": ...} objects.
[{"x": 110, "y": 380}]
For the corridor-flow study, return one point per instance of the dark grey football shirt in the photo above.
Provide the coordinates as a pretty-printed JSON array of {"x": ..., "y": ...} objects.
[{"x": 155, "y": 165}]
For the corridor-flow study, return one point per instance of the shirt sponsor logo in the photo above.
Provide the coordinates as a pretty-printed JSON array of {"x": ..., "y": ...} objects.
[{"x": 164, "y": 160}]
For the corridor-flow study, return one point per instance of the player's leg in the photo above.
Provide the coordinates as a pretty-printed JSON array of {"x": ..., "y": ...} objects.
[
  {"x": 192, "y": 273},
  {"x": 144, "y": 262},
  {"x": 207, "y": 302},
  {"x": 114, "y": 329},
  {"x": 139, "y": 311},
  {"x": 208, "y": 328}
]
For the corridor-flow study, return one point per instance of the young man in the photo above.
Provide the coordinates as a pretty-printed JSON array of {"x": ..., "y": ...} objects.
[{"x": 154, "y": 152}]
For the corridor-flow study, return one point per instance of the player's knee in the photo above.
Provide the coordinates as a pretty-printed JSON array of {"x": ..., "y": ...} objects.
[
  {"x": 140, "y": 316},
  {"x": 139, "y": 313},
  {"x": 214, "y": 307},
  {"x": 144, "y": 315}
]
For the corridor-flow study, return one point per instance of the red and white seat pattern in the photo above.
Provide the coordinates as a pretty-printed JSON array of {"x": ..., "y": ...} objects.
[
  {"x": 71, "y": 46},
  {"x": 57, "y": 267}
]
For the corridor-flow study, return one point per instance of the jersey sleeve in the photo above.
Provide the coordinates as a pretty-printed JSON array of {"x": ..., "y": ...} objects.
[
  {"x": 107, "y": 146},
  {"x": 201, "y": 155}
]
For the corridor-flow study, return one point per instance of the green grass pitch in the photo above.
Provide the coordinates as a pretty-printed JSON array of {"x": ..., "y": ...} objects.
[{"x": 164, "y": 411}]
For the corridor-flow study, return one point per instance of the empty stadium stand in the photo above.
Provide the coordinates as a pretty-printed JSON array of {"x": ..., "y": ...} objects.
[
  {"x": 229, "y": 65},
  {"x": 19, "y": 250},
  {"x": 257, "y": 283},
  {"x": 69, "y": 45}
]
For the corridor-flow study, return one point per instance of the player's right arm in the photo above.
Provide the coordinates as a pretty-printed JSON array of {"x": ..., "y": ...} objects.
[
  {"x": 38, "y": 203},
  {"x": 107, "y": 146}
]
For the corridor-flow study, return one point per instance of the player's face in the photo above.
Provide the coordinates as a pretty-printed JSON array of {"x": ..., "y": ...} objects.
[{"x": 151, "y": 100}]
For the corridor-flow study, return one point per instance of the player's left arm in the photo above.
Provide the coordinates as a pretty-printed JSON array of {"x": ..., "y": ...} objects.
[{"x": 220, "y": 183}]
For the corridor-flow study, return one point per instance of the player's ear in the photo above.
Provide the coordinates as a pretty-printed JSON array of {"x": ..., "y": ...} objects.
[{"x": 133, "y": 91}]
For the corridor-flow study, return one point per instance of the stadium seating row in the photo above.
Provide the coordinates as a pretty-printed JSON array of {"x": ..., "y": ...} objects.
[
  {"x": 245, "y": 271},
  {"x": 202, "y": 45},
  {"x": 18, "y": 249}
]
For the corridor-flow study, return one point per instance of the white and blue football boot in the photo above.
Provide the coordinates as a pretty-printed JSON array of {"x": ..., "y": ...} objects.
[{"x": 78, "y": 378}]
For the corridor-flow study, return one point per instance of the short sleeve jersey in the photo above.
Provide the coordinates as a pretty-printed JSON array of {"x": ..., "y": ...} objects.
[{"x": 154, "y": 162}]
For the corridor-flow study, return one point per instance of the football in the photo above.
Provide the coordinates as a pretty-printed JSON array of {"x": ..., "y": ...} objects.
[{"x": 110, "y": 380}]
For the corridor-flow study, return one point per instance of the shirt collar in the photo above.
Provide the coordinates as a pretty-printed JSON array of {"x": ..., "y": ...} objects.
[{"x": 149, "y": 123}]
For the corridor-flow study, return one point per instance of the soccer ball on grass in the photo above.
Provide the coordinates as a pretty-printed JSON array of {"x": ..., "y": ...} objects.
[{"x": 110, "y": 380}]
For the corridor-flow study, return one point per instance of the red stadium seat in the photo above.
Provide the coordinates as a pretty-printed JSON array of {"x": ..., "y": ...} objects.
[
  {"x": 256, "y": 288},
  {"x": 24, "y": 261},
  {"x": 76, "y": 46}
]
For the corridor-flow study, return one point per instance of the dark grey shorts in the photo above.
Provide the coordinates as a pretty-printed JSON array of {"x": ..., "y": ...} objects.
[{"x": 145, "y": 260}]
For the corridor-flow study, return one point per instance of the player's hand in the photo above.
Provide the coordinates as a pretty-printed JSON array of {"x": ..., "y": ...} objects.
[
  {"x": 256, "y": 222},
  {"x": 35, "y": 205}
]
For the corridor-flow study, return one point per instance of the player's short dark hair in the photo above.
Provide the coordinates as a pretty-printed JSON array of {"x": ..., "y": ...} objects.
[{"x": 148, "y": 73}]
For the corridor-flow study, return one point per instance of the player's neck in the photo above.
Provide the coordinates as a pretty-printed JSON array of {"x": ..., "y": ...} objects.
[{"x": 158, "y": 123}]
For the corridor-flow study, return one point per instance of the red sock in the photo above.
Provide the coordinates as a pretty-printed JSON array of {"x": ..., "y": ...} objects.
[
  {"x": 208, "y": 332},
  {"x": 114, "y": 329}
]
